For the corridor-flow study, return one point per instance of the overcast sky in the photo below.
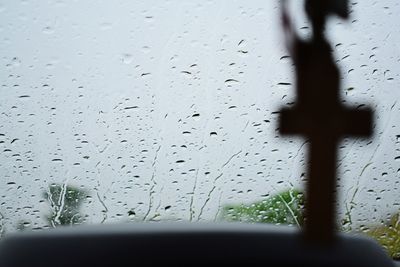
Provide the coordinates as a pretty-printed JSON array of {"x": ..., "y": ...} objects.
[{"x": 150, "y": 104}]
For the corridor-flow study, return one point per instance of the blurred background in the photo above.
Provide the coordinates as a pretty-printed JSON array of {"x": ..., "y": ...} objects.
[{"x": 167, "y": 111}]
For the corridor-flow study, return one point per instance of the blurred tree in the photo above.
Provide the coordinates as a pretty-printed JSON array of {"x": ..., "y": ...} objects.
[
  {"x": 283, "y": 208},
  {"x": 65, "y": 202}
]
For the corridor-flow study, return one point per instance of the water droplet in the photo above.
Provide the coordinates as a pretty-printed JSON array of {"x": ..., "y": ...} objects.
[
  {"x": 48, "y": 30},
  {"x": 231, "y": 82},
  {"x": 127, "y": 58}
]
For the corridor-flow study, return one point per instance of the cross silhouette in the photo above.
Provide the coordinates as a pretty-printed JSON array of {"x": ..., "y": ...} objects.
[{"x": 320, "y": 116}]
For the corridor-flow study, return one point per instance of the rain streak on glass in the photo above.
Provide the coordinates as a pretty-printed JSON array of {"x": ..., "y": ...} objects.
[{"x": 167, "y": 111}]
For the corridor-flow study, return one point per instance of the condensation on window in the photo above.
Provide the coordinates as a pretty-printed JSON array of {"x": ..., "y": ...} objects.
[{"x": 167, "y": 111}]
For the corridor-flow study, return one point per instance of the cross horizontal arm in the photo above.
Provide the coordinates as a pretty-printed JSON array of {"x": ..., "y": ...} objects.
[
  {"x": 343, "y": 121},
  {"x": 357, "y": 122}
]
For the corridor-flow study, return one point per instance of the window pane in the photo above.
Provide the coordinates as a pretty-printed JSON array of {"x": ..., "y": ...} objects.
[{"x": 167, "y": 110}]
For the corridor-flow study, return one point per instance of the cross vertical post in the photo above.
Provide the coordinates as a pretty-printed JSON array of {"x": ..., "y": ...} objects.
[{"x": 320, "y": 117}]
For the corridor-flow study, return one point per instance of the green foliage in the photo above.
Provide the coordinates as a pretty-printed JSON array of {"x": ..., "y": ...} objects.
[
  {"x": 65, "y": 202},
  {"x": 288, "y": 208},
  {"x": 283, "y": 208},
  {"x": 388, "y": 236}
]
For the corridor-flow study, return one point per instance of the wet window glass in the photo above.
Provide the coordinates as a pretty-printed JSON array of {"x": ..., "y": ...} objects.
[{"x": 147, "y": 111}]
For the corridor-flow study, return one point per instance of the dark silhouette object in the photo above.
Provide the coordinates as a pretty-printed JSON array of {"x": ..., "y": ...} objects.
[
  {"x": 184, "y": 244},
  {"x": 320, "y": 117}
]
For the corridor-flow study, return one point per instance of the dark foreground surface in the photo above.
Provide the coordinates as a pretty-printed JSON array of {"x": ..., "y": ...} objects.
[{"x": 182, "y": 244}]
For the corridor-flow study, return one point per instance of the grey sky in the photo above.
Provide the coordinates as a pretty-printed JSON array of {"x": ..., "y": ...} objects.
[{"x": 155, "y": 103}]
